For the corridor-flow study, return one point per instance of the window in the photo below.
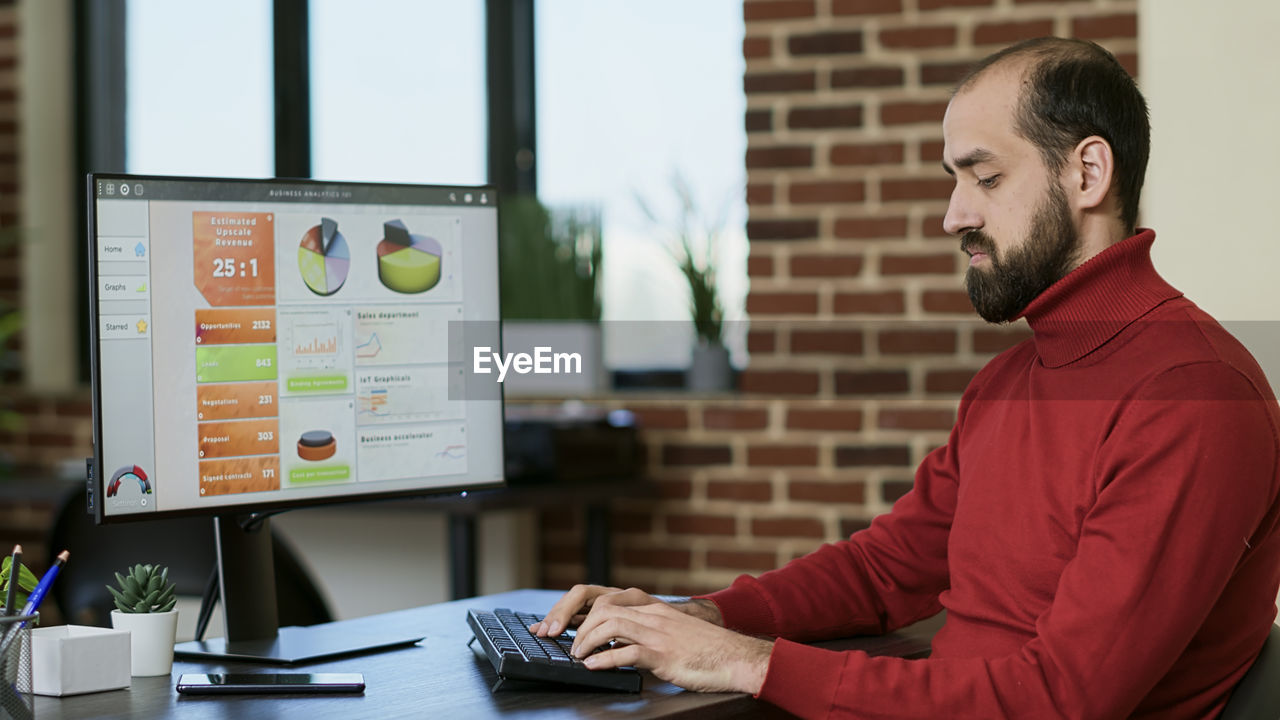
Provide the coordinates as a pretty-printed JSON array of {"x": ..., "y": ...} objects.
[
  {"x": 398, "y": 91},
  {"x": 199, "y": 99},
  {"x": 628, "y": 95}
]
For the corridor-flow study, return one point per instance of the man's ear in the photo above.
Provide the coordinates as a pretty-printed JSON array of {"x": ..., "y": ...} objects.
[{"x": 1091, "y": 173}]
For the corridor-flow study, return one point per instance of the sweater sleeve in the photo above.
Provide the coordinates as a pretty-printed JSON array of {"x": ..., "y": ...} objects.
[
  {"x": 1185, "y": 487},
  {"x": 880, "y": 579}
]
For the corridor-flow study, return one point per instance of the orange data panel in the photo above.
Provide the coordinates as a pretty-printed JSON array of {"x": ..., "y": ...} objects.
[
  {"x": 240, "y": 475},
  {"x": 226, "y": 326},
  {"x": 232, "y": 401},
  {"x": 235, "y": 257},
  {"x": 243, "y": 437}
]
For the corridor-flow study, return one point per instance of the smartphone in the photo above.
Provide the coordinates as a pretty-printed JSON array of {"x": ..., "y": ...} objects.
[{"x": 237, "y": 683}]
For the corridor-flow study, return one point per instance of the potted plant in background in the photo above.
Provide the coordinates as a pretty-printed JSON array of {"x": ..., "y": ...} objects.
[
  {"x": 694, "y": 249},
  {"x": 145, "y": 600},
  {"x": 550, "y": 269}
]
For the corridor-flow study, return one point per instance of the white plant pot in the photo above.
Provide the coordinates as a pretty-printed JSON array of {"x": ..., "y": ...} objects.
[
  {"x": 151, "y": 637},
  {"x": 709, "y": 370}
]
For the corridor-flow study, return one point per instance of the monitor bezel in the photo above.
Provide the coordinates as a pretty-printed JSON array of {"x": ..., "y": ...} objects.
[{"x": 97, "y": 482}]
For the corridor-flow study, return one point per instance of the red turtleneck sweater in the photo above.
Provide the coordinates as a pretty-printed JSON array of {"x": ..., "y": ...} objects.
[{"x": 1101, "y": 528}]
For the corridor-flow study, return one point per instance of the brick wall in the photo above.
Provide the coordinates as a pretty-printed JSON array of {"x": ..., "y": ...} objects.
[{"x": 862, "y": 337}]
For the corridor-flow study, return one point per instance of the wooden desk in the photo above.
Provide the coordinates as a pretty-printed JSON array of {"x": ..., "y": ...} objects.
[{"x": 438, "y": 678}]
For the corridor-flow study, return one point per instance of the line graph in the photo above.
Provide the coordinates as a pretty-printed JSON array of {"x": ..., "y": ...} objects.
[
  {"x": 453, "y": 452},
  {"x": 369, "y": 348}
]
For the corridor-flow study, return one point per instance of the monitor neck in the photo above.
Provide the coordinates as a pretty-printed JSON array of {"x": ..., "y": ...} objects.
[{"x": 247, "y": 574}]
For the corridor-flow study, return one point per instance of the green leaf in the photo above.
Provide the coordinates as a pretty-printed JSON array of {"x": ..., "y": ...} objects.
[
  {"x": 115, "y": 594},
  {"x": 27, "y": 580},
  {"x": 122, "y": 606},
  {"x": 166, "y": 607},
  {"x": 141, "y": 607}
]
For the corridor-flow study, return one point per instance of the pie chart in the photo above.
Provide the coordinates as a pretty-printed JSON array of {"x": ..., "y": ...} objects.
[
  {"x": 324, "y": 258},
  {"x": 407, "y": 263}
]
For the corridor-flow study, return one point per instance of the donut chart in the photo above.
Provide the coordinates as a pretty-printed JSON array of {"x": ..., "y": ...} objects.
[
  {"x": 127, "y": 474},
  {"x": 408, "y": 263},
  {"x": 324, "y": 258}
]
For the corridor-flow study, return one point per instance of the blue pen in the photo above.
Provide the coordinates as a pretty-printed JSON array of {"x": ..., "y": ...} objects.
[{"x": 42, "y": 587}]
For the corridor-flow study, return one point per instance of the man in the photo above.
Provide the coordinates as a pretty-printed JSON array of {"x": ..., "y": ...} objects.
[{"x": 1101, "y": 525}]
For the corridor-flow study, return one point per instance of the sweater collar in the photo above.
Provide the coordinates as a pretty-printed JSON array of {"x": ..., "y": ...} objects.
[{"x": 1093, "y": 303}]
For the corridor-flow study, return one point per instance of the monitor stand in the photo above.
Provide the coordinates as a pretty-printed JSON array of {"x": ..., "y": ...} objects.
[{"x": 248, "y": 594}]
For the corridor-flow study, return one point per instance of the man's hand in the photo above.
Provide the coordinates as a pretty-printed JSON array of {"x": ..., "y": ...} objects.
[
  {"x": 572, "y": 608},
  {"x": 676, "y": 646}
]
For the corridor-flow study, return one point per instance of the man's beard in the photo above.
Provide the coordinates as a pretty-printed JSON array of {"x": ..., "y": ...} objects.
[{"x": 1048, "y": 252}]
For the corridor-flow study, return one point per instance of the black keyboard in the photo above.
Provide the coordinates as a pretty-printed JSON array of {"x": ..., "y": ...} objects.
[{"x": 517, "y": 654}]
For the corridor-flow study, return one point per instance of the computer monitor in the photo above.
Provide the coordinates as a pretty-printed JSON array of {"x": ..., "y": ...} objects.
[{"x": 259, "y": 345}]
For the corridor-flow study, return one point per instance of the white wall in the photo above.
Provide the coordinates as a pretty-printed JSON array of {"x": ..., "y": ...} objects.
[{"x": 1211, "y": 75}]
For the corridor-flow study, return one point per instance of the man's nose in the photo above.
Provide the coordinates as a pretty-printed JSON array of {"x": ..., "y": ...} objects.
[{"x": 960, "y": 215}]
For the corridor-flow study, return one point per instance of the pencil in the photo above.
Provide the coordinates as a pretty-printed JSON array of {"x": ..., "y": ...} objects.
[{"x": 14, "y": 574}]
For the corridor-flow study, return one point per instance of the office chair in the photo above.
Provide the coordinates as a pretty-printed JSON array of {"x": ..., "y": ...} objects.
[
  {"x": 1257, "y": 695},
  {"x": 184, "y": 545}
]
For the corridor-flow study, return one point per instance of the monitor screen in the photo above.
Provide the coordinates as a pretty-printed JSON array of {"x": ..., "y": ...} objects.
[{"x": 261, "y": 344}]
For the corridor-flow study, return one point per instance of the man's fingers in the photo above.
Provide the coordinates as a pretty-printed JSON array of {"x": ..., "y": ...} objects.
[
  {"x": 619, "y": 656},
  {"x": 631, "y": 597},
  {"x": 588, "y": 624},
  {"x": 621, "y": 625},
  {"x": 570, "y": 605},
  {"x": 589, "y": 636}
]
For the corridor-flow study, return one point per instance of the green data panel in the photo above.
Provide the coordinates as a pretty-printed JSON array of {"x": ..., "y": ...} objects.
[
  {"x": 316, "y": 383},
  {"x": 235, "y": 363},
  {"x": 329, "y": 473}
]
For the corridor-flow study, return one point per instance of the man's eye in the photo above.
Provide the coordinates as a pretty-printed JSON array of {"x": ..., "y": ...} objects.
[{"x": 988, "y": 182}]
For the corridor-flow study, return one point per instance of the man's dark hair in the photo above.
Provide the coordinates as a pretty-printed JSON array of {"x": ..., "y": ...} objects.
[{"x": 1075, "y": 89}]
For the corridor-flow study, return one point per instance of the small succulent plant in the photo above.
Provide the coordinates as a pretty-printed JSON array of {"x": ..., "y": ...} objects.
[{"x": 144, "y": 589}]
